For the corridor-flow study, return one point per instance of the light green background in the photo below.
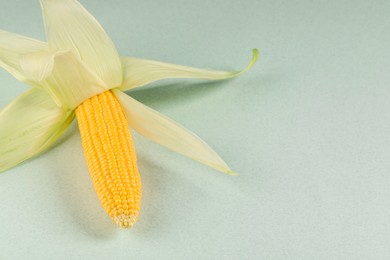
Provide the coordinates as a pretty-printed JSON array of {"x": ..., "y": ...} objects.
[{"x": 308, "y": 129}]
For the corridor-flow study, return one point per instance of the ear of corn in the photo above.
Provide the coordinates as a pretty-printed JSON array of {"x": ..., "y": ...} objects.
[{"x": 110, "y": 156}]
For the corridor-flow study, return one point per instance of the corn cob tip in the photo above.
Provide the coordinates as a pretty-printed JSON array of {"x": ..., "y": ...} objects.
[{"x": 125, "y": 221}]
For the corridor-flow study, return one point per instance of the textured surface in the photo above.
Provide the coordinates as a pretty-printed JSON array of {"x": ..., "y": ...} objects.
[
  {"x": 110, "y": 155},
  {"x": 307, "y": 130}
]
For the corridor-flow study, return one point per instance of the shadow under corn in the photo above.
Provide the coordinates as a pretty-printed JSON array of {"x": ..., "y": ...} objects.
[{"x": 76, "y": 190}]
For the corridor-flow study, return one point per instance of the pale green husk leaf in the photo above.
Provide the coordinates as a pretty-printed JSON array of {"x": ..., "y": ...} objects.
[
  {"x": 139, "y": 72},
  {"x": 63, "y": 76},
  {"x": 168, "y": 133},
  {"x": 12, "y": 47},
  {"x": 69, "y": 26},
  {"x": 29, "y": 125}
]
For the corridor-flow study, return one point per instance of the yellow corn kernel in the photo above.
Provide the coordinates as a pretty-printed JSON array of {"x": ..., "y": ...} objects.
[{"x": 110, "y": 156}]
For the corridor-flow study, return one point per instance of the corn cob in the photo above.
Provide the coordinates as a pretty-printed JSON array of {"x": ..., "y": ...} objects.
[{"x": 110, "y": 156}]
